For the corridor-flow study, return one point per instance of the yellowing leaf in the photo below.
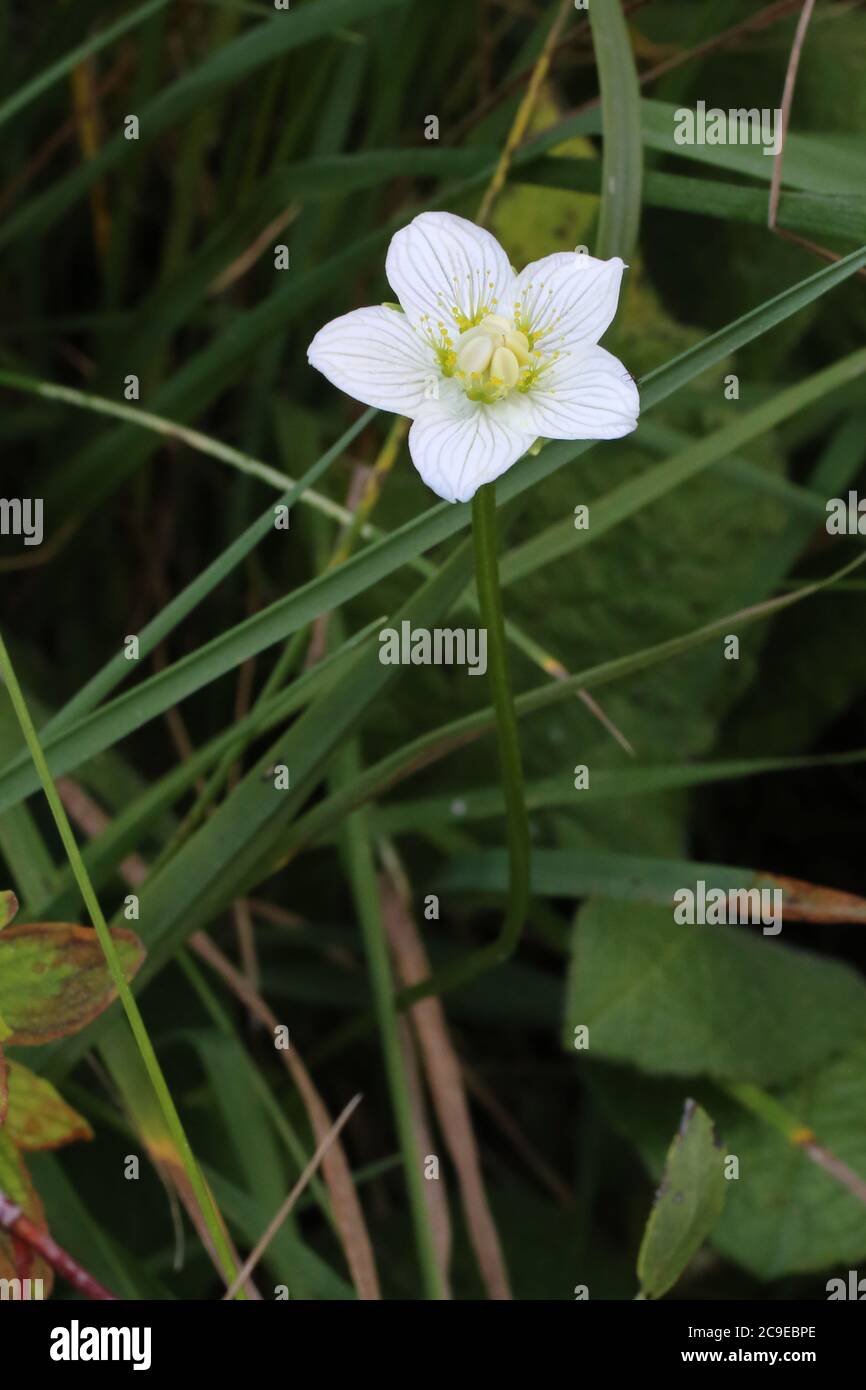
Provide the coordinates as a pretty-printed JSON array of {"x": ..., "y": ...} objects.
[
  {"x": 17, "y": 1259},
  {"x": 38, "y": 1117},
  {"x": 54, "y": 979}
]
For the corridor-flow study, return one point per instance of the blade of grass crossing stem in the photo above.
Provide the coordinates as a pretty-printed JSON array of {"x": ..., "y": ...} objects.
[
  {"x": 362, "y": 876},
  {"x": 622, "y": 150},
  {"x": 136, "y": 1022}
]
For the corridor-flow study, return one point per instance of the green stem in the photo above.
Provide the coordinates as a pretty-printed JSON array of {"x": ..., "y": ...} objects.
[
  {"x": 800, "y": 1135},
  {"x": 106, "y": 941},
  {"x": 768, "y": 1109},
  {"x": 463, "y": 971},
  {"x": 511, "y": 768},
  {"x": 362, "y": 873},
  {"x": 510, "y": 765}
]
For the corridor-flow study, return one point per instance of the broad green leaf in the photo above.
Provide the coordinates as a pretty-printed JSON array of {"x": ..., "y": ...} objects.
[
  {"x": 687, "y": 1205},
  {"x": 38, "y": 1117},
  {"x": 717, "y": 1001},
  {"x": 785, "y": 1214},
  {"x": 54, "y": 979}
]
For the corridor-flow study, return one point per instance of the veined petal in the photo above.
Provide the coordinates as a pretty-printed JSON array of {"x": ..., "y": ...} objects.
[
  {"x": 376, "y": 356},
  {"x": 457, "y": 444},
  {"x": 447, "y": 273},
  {"x": 585, "y": 396},
  {"x": 567, "y": 300}
]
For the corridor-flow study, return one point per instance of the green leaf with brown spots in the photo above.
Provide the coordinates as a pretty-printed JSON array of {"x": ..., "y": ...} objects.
[
  {"x": 38, "y": 1116},
  {"x": 54, "y": 979}
]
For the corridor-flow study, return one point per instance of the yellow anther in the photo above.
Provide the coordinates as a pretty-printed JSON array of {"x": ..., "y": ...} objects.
[
  {"x": 474, "y": 355},
  {"x": 504, "y": 368},
  {"x": 518, "y": 343}
]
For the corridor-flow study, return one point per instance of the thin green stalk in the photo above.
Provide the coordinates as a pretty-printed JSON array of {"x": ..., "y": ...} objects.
[
  {"x": 362, "y": 873},
  {"x": 496, "y": 952},
  {"x": 800, "y": 1135},
  {"x": 136, "y": 1022},
  {"x": 516, "y": 820}
]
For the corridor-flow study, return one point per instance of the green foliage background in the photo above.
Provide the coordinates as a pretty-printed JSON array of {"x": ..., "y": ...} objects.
[{"x": 307, "y": 127}]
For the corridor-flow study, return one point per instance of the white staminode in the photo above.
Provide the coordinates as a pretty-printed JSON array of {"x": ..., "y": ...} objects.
[{"x": 484, "y": 361}]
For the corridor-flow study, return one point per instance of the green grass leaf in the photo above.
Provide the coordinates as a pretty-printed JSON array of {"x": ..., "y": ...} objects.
[
  {"x": 622, "y": 155},
  {"x": 559, "y": 873}
]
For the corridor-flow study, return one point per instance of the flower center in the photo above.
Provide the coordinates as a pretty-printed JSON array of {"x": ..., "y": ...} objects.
[{"x": 492, "y": 359}]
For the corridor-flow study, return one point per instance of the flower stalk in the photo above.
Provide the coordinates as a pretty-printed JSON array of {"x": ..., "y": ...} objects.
[
  {"x": 496, "y": 952},
  {"x": 511, "y": 766}
]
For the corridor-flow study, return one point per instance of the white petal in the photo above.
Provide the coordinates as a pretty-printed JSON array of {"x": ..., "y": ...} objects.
[
  {"x": 457, "y": 444},
  {"x": 376, "y": 356},
  {"x": 585, "y": 396},
  {"x": 569, "y": 299},
  {"x": 445, "y": 270}
]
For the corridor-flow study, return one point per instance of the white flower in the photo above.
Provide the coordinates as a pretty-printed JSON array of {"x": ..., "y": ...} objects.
[{"x": 483, "y": 361}]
